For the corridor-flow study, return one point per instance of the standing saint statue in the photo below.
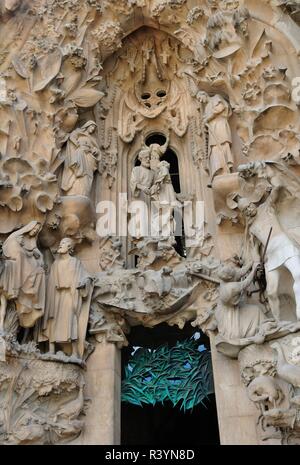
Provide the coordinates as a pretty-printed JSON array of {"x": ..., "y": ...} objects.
[
  {"x": 69, "y": 293},
  {"x": 23, "y": 275},
  {"x": 142, "y": 176},
  {"x": 141, "y": 181},
  {"x": 81, "y": 161},
  {"x": 216, "y": 116}
]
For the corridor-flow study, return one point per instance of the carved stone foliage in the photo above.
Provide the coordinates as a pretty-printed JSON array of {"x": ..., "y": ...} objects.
[{"x": 41, "y": 402}]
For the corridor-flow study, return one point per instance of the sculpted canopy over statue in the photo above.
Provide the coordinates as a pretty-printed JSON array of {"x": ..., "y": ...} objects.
[
  {"x": 216, "y": 117},
  {"x": 81, "y": 161},
  {"x": 68, "y": 300},
  {"x": 23, "y": 275}
]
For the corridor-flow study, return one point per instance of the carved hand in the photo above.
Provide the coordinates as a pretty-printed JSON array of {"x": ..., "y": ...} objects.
[
  {"x": 144, "y": 189},
  {"x": 154, "y": 189}
]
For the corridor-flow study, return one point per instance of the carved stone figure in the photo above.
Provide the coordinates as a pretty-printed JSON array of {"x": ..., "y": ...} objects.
[
  {"x": 216, "y": 117},
  {"x": 68, "y": 298},
  {"x": 156, "y": 152},
  {"x": 141, "y": 181},
  {"x": 141, "y": 176},
  {"x": 81, "y": 162},
  {"x": 23, "y": 275},
  {"x": 281, "y": 252},
  {"x": 238, "y": 321},
  {"x": 162, "y": 189},
  {"x": 162, "y": 192}
]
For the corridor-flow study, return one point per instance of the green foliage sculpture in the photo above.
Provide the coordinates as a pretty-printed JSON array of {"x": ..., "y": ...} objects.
[{"x": 180, "y": 374}]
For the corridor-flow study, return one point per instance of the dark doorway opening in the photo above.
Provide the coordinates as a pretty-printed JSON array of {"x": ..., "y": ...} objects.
[{"x": 164, "y": 424}]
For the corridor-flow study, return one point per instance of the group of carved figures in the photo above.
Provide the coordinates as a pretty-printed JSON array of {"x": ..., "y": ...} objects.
[
  {"x": 57, "y": 308},
  {"x": 151, "y": 181},
  {"x": 271, "y": 251}
]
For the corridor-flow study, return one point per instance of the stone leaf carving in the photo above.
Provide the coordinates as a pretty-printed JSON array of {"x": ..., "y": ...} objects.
[{"x": 41, "y": 402}]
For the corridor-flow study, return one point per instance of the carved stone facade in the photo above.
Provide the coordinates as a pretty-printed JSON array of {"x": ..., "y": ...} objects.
[{"x": 97, "y": 100}]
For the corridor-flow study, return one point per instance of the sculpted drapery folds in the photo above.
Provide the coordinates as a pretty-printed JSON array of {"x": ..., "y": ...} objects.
[
  {"x": 23, "y": 275},
  {"x": 152, "y": 182},
  {"x": 281, "y": 252},
  {"x": 81, "y": 161},
  {"x": 216, "y": 116},
  {"x": 68, "y": 300},
  {"x": 238, "y": 320},
  {"x": 142, "y": 176},
  {"x": 140, "y": 183}
]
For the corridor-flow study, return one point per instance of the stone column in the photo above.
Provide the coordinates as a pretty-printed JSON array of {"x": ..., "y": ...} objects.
[
  {"x": 103, "y": 388},
  {"x": 236, "y": 413}
]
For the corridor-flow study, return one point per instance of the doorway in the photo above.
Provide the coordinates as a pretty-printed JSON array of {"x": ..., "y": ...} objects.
[{"x": 163, "y": 423}]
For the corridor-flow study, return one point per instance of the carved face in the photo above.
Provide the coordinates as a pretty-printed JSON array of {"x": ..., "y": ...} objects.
[
  {"x": 155, "y": 156},
  {"x": 65, "y": 246},
  {"x": 91, "y": 129},
  {"x": 145, "y": 159},
  {"x": 35, "y": 230}
]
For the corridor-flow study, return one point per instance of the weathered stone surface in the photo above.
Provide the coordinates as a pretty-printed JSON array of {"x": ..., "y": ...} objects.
[{"x": 84, "y": 88}]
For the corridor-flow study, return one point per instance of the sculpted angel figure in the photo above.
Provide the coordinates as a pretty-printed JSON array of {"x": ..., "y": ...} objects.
[{"x": 81, "y": 162}]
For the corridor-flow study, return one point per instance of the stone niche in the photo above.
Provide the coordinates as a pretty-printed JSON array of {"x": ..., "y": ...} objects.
[{"x": 186, "y": 103}]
